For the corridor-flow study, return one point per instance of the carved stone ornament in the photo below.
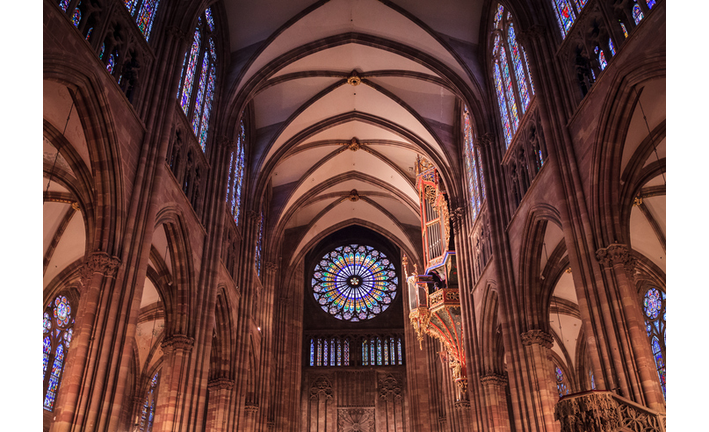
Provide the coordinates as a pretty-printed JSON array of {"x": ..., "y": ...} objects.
[
  {"x": 226, "y": 142},
  {"x": 537, "y": 337},
  {"x": 483, "y": 141},
  {"x": 177, "y": 343},
  {"x": 354, "y": 79},
  {"x": 251, "y": 408},
  {"x": 355, "y": 420},
  {"x": 591, "y": 412},
  {"x": 321, "y": 386},
  {"x": 353, "y": 196},
  {"x": 493, "y": 379},
  {"x": 220, "y": 384},
  {"x": 99, "y": 262},
  {"x": 389, "y": 386},
  {"x": 613, "y": 254},
  {"x": 270, "y": 267}
]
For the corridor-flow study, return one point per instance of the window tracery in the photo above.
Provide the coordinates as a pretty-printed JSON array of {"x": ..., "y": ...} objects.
[
  {"x": 561, "y": 382},
  {"x": 144, "y": 13},
  {"x": 198, "y": 77},
  {"x": 655, "y": 323},
  {"x": 57, "y": 331},
  {"x": 354, "y": 282},
  {"x": 236, "y": 175},
  {"x": 514, "y": 90},
  {"x": 147, "y": 413},
  {"x": 476, "y": 182}
]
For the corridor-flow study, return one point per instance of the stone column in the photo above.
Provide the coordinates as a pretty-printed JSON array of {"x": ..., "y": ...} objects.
[
  {"x": 176, "y": 355},
  {"x": 219, "y": 402},
  {"x": 633, "y": 362},
  {"x": 537, "y": 344},
  {"x": 496, "y": 401},
  {"x": 80, "y": 370}
]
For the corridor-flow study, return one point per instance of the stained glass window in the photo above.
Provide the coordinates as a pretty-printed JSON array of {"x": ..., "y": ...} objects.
[
  {"x": 57, "y": 330},
  {"x": 625, "y": 31},
  {"x": 564, "y": 15},
  {"x": 76, "y": 17},
  {"x": 112, "y": 62},
  {"x": 146, "y": 16},
  {"x": 318, "y": 360},
  {"x": 190, "y": 72},
  {"x": 592, "y": 379},
  {"x": 655, "y": 315},
  {"x": 561, "y": 382},
  {"x": 236, "y": 174},
  {"x": 64, "y": 4},
  {"x": 601, "y": 58},
  {"x": 379, "y": 351},
  {"x": 519, "y": 69},
  {"x": 312, "y": 352},
  {"x": 347, "y": 352},
  {"x": 514, "y": 89},
  {"x": 386, "y": 352},
  {"x": 398, "y": 347},
  {"x": 365, "y": 351},
  {"x": 650, "y": 3},
  {"x": 580, "y": 4},
  {"x": 100, "y": 53},
  {"x": 354, "y": 282},
  {"x": 259, "y": 246},
  {"x": 611, "y": 47},
  {"x": 637, "y": 14},
  {"x": 474, "y": 174},
  {"x": 148, "y": 412},
  {"x": 198, "y": 78}
]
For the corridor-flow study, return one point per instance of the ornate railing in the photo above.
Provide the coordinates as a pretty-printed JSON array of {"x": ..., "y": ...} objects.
[{"x": 604, "y": 411}]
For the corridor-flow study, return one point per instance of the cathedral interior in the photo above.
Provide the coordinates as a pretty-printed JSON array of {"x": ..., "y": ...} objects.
[{"x": 354, "y": 215}]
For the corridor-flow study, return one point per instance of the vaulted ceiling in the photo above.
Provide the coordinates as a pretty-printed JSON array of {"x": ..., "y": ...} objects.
[{"x": 344, "y": 94}]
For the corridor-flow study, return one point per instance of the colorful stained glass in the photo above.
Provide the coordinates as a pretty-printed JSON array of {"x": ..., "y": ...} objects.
[
  {"x": 62, "y": 311},
  {"x": 64, "y": 4},
  {"x": 76, "y": 16},
  {"x": 210, "y": 18},
  {"x": 564, "y": 15},
  {"x": 339, "y": 353},
  {"x": 503, "y": 105},
  {"x": 365, "y": 351},
  {"x": 347, "y": 352},
  {"x": 201, "y": 87},
  {"x": 611, "y": 47},
  {"x": 312, "y": 352},
  {"x": 519, "y": 68},
  {"x": 144, "y": 415},
  {"x": 498, "y": 16},
  {"x": 560, "y": 384},
  {"x": 53, "y": 387},
  {"x": 509, "y": 91},
  {"x": 637, "y": 14},
  {"x": 592, "y": 379},
  {"x": 88, "y": 33},
  {"x": 111, "y": 62},
  {"x": 398, "y": 349},
  {"x": 392, "y": 351},
  {"x": 526, "y": 64},
  {"x": 379, "y": 352},
  {"x": 130, "y": 5},
  {"x": 47, "y": 352},
  {"x": 325, "y": 352},
  {"x": 207, "y": 109},
  {"x": 318, "y": 358},
  {"x": 601, "y": 58},
  {"x": 471, "y": 164},
  {"x": 372, "y": 361},
  {"x": 354, "y": 282},
  {"x": 652, "y": 304},
  {"x": 580, "y": 4},
  {"x": 386, "y": 353},
  {"x": 559, "y": 374},
  {"x": 650, "y": 3},
  {"x": 236, "y": 167},
  {"x": 103, "y": 49},
  {"x": 189, "y": 75},
  {"x": 146, "y": 16},
  {"x": 625, "y": 31},
  {"x": 47, "y": 324}
]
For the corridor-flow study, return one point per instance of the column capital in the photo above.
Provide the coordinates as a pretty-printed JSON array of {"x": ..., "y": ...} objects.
[
  {"x": 614, "y": 254},
  {"x": 457, "y": 217},
  {"x": 177, "y": 343},
  {"x": 537, "y": 337},
  {"x": 220, "y": 384},
  {"x": 99, "y": 262},
  {"x": 492, "y": 378}
]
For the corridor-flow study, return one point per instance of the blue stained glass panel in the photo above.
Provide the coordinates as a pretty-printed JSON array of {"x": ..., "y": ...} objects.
[
  {"x": 207, "y": 109},
  {"x": 325, "y": 353},
  {"x": 201, "y": 87},
  {"x": 509, "y": 91},
  {"x": 365, "y": 351},
  {"x": 64, "y": 4},
  {"x": 379, "y": 352},
  {"x": 111, "y": 63},
  {"x": 580, "y": 4},
  {"x": 637, "y": 14},
  {"x": 146, "y": 16},
  {"x": 498, "y": 16},
  {"x": 318, "y": 359},
  {"x": 611, "y": 47},
  {"x": 601, "y": 59},
  {"x": 398, "y": 347},
  {"x": 652, "y": 304},
  {"x": 54, "y": 378},
  {"x": 519, "y": 69},
  {"x": 189, "y": 74},
  {"x": 47, "y": 351},
  {"x": 650, "y": 3},
  {"x": 130, "y": 5},
  {"x": 386, "y": 353},
  {"x": 564, "y": 15},
  {"x": 210, "y": 18},
  {"x": 625, "y": 31},
  {"x": 76, "y": 16},
  {"x": 312, "y": 352},
  {"x": 347, "y": 352},
  {"x": 503, "y": 105}
]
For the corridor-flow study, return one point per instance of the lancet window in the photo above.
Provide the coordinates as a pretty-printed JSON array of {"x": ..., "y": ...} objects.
[
  {"x": 198, "y": 77},
  {"x": 654, "y": 302},
  {"x": 57, "y": 333},
  {"x": 473, "y": 167},
  {"x": 510, "y": 70},
  {"x": 236, "y": 175},
  {"x": 147, "y": 413},
  {"x": 566, "y": 12},
  {"x": 144, "y": 13}
]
